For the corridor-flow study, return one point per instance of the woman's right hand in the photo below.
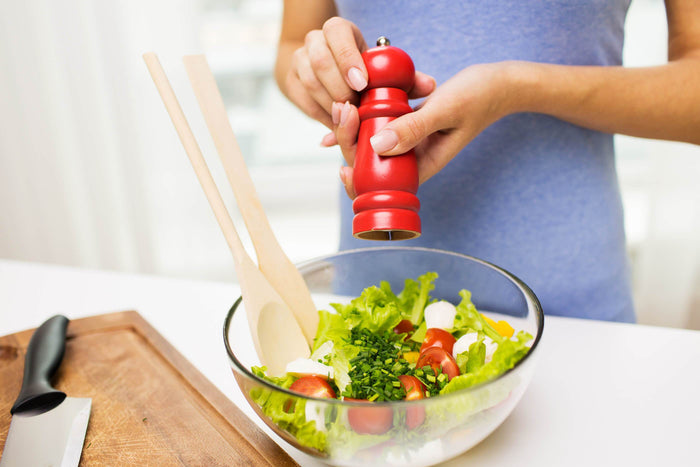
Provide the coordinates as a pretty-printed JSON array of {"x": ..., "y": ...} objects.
[{"x": 327, "y": 68}]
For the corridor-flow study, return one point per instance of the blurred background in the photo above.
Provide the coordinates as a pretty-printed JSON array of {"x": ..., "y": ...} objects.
[{"x": 92, "y": 173}]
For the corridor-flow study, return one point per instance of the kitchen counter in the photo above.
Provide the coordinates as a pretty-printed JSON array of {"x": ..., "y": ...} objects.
[{"x": 603, "y": 393}]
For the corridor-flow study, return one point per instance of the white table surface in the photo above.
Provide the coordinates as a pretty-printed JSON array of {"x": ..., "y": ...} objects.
[{"x": 603, "y": 393}]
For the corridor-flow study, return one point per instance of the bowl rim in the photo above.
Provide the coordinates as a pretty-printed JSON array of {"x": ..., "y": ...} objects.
[{"x": 524, "y": 288}]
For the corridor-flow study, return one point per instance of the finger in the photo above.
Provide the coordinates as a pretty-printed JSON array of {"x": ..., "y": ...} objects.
[
  {"x": 326, "y": 69},
  {"x": 346, "y": 44},
  {"x": 406, "y": 132},
  {"x": 335, "y": 112},
  {"x": 346, "y": 132},
  {"x": 307, "y": 77},
  {"x": 423, "y": 85},
  {"x": 346, "y": 178},
  {"x": 329, "y": 140},
  {"x": 298, "y": 94}
]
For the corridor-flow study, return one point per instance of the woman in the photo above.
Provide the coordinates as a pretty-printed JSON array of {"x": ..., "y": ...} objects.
[{"x": 514, "y": 137}]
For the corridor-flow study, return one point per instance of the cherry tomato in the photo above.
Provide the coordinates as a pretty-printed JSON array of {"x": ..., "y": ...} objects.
[
  {"x": 438, "y": 358},
  {"x": 370, "y": 420},
  {"x": 436, "y": 337},
  {"x": 415, "y": 390},
  {"x": 404, "y": 327},
  {"x": 312, "y": 386}
]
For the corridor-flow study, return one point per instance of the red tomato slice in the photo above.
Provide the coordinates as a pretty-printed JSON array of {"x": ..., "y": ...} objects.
[
  {"x": 370, "y": 420},
  {"x": 313, "y": 386},
  {"x": 414, "y": 387},
  {"x": 415, "y": 390},
  {"x": 404, "y": 327},
  {"x": 436, "y": 337},
  {"x": 438, "y": 358}
]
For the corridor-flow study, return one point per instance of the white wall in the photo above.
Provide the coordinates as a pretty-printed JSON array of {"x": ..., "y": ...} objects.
[{"x": 661, "y": 195}]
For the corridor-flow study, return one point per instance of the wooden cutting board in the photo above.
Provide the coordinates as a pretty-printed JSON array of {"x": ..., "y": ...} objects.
[{"x": 150, "y": 406}]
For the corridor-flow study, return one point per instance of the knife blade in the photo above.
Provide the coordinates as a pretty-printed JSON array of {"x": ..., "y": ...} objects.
[{"x": 47, "y": 428}]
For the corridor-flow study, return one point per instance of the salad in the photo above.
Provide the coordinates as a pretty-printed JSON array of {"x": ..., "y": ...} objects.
[{"x": 384, "y": 346}]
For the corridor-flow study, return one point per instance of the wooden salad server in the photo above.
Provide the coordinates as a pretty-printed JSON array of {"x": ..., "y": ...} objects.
[
  {"x": 272, "y": 261},
  {"x": 276, "y": 334}
]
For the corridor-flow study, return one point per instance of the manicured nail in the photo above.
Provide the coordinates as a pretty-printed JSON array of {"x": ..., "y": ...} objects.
[
  {"x": 328, "y": 140},
  {"x": 357, "y": 79},
  {"x": 344, "y": 113},
  {"x": 342, "y": 175},
  {"x": 335, "y": 112},
  {"x": 384, "y": 140}
]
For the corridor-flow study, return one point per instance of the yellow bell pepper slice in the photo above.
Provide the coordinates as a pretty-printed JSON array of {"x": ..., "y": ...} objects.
[
  {"x": 411, "y": 357},
  {"x": 491, "y": 322},
  {"x": 502, "y": 327}
]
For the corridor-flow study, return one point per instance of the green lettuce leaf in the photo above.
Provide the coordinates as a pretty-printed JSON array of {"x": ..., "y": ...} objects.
[
  {"x": 468, "y": 318},
  {"x": 386, "y": 288},
  {"x": 407, "y": 297},
  {"x": 462, "y": 360},
  {"x": 334, "y": 327},
  {"x": 474, "y": 357},
  {"x": 477, "y": 355},
  {"x": 373, "y": 310},
  {"x": 281, "y": 381},
  {"x": 272, "y": 404},
  {"x": 418, "y": 294},
  {"x": 419, "y": 334},
  {"x": 331, "y": 327},
  {"x": 340, "y": 361},
  {"x": 508, "y": 353}
]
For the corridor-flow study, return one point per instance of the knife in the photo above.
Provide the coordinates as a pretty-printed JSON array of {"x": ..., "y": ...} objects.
[{"x": 47, "y": 428}]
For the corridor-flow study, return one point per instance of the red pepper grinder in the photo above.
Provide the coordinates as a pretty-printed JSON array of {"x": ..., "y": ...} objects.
[{"x": 386, "y": 206}]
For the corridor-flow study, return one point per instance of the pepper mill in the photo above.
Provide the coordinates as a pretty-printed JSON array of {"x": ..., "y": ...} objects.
[{"x": 386, "y": 206}]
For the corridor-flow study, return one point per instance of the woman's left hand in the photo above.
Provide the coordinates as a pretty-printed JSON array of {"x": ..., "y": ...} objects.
[{"x": 450, "y": 117}]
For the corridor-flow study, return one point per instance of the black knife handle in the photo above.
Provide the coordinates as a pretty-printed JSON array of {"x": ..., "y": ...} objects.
[{"x": 44, "y": 355}]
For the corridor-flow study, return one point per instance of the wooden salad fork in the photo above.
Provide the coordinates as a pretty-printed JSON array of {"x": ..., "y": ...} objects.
[
  {"x": 272, "y": 261},
  {"x": 276, "y": 334}
]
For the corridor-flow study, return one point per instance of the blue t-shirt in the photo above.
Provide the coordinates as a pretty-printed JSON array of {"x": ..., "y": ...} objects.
[{"x": 533, "y": 194}]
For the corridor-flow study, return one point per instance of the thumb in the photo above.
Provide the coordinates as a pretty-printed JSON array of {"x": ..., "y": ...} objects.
[{"x": 404, "y": 133}]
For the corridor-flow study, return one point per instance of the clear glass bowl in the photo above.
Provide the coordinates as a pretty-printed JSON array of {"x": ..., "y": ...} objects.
[{"x": 449, "y": 424}]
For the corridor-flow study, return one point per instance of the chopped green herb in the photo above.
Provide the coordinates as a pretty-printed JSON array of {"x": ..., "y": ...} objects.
[{"x": 370, "y": 375}]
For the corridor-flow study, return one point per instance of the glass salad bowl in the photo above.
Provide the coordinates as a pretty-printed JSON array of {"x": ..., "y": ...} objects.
[{"x": 419, "y": 432}]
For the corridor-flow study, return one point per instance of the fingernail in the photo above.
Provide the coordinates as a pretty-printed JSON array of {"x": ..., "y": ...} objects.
[
  {"x": 342, "y": 175},
  {"x": 328, "y": 140},
  {"x": 357, "y": 79},
  {"x": 383, "y": 141},
  {"x": 335, "y": 113},
  {"x": 344, "y": 113}
]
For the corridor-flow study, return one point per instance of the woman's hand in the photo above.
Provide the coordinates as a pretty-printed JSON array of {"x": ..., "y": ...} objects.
[
  {"x": 453, "y": 115},
  {"x": 329, "y": 68}
]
